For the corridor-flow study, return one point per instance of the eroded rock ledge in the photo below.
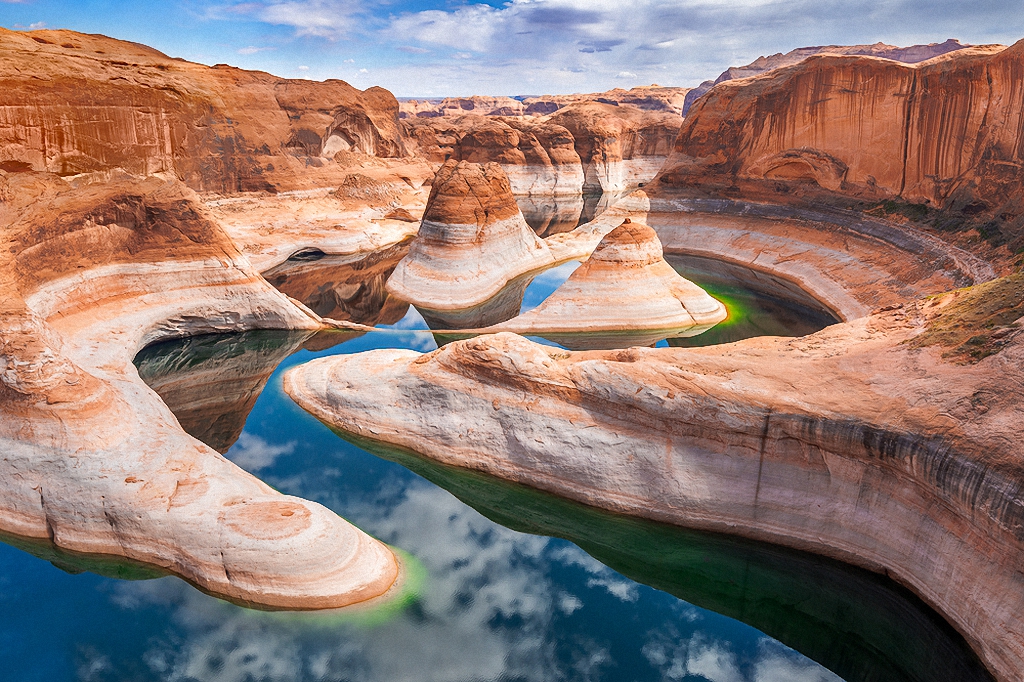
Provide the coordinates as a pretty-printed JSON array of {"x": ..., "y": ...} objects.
[
  {"x": 853, "y": 442},
  {"x": 92, "y": 460}
]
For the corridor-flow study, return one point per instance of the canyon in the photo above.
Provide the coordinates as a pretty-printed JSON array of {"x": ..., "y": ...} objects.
[{"x": 144, "y": 199}]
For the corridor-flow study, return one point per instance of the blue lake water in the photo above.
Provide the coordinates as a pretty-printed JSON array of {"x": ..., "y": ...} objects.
[{"x": 509, "y": 584}]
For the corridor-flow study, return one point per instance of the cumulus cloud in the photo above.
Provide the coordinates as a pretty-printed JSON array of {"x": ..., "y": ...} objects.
[{"x": 253, "y": 453}]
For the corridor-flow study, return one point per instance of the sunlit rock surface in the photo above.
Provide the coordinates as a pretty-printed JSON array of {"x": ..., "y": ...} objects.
[
  {"x": 620, "y": 147},
  {"x": 908, "y": 55},
  {"x": 869, "y": 442},
  {"x": 77, "y": 103},
  {"x": 93, "y": 461},
  {"x": 941, "y": 139},
  {"x": 539, "y": 159},
  {"x": 473, "y": 240},
  {"x": 624, "y": 294}
]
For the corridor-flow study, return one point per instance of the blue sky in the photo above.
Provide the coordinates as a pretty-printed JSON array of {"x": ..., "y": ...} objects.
[{"x": 452, "y": 47}]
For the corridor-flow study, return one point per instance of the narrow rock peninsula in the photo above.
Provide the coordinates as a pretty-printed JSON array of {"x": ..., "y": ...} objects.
[
  {"x": 889, "y": 441},
  {"x": 93, "y": 460}
]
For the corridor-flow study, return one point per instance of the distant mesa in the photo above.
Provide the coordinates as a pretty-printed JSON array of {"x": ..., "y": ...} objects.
[
  {"x": 472, "y": 242},
  {"x": 625, "y": 294}
]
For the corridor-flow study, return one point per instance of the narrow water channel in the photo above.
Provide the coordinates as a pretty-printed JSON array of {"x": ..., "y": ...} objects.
[{"x": 507, "y": 583}]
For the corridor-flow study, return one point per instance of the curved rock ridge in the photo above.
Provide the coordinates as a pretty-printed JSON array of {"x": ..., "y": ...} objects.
[
  {"x": 908, "y": 55},
  {"x": 624, "y": 294},
  {"x": 619, "y": 147},
  {"x": 539, "y": 158},
  {"x": 77, "y": 103},
  {"x": 945, "y": 135},
  {"x": 472, "y": 242},
  {"x": 93, "y": 461},
  {"x": 851, "y": 443}
]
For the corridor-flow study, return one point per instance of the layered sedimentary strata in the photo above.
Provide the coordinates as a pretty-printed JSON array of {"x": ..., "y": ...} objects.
[
  {"x": 624, "y": 294},
  {"x": 76, "y": 103},
  {"x": 539, "y": 159},
  {"x": 370, "y": 207},
  {"x": 477, "y": 105},
  {"x": 93, "y": 461},
  {"x": 472, "y": 242},
  {"x": 347, "y": 288},
  {"x": 644, "y": 97},
  {"x": 862, "y": 442},
  {"x": 908, "y": 55},
  {"x": 619, "y": 147},
  {"x": 945, "y": 135}
]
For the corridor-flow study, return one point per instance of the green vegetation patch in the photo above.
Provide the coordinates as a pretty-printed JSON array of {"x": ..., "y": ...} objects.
[
  {"x": 914, "y": 212},
  {"x": 978, "y": 323}
]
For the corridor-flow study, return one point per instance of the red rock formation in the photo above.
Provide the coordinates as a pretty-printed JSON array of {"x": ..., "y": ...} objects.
[
  {"x": 618, "y": 146},
  {"x": 477, "y": 105},
  {"x": 624, "y": 295},
  {"x": 908, "y": 55},
  {"x": 859, "y": 442},
  {"x": 538, "y": 158},
  {"x": 94, "y": 462},
  {"x": 645, "y": 97},
  {"x": 472, "y": 242},
  {"x": 76, "y": 103},
  {"x": 947, "y": 133}
]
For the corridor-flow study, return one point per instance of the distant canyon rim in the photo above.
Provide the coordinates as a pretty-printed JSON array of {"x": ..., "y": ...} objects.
[{"x": 145, "y": 198}]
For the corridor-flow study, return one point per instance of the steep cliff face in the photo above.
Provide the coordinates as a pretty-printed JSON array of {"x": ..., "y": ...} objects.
[
  {"x": 618, "y": 146},
  {"x": 908, "y": 55},
  {"x": 538, "y": 158},
  {"x": 76, "y": 103},
  {"x": 947, "y": 133}
]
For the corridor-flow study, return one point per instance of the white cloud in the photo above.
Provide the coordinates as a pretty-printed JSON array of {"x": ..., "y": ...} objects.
[
  {"x": 625, "y": 74},
  {"x": 252, "y": 453},
  {"x": 252, "y": 49}
]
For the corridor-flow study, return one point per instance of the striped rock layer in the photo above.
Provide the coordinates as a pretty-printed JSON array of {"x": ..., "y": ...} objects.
[
  {"x": 472, "y": 242},
  {"x": 624, "y": 294}
]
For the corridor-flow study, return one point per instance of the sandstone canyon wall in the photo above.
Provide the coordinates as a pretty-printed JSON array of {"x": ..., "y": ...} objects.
[
  {"x": 619, "y": 147},
  {"x": 908, "y": 55},
  {"x": 946, "y": 134},
  {"x": 76, "y": 103},
  {"x": 538, "y": 158}
]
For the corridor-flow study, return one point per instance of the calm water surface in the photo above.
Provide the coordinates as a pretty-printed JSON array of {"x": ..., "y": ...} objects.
[{"x": 509, "y": 584}]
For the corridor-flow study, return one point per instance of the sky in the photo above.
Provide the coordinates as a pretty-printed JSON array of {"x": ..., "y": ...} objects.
[{"x": 434, "y": 48}]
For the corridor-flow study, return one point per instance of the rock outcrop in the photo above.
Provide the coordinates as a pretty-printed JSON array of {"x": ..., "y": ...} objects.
[
  {"x": 477, "y": 105},
  {"x": 472, "y": 242},
  {"x": 624, "y": 294},
  {"x": 861, "y": 442},
  {"x": 76, "y": 103},
  {"x": 539, "y": 159},
  {"x": 644, "y": 97},
  {"x": 619, "y": 147},
  {"x": 93, "y": 461},
  {"x": 944, "y": 137},
  {"x": 907, "y": 55}
]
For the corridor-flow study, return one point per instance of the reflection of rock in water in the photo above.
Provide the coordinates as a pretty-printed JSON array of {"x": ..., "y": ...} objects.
[
  {"x": 343, "y": 288},
  {"x": 549, "y": 215},
  {"x": 501, "y": 307},
  {"x": 857, "y": 624},
  {"x": 210, "y": 383},
  {"x": 760, "y": 304}
]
